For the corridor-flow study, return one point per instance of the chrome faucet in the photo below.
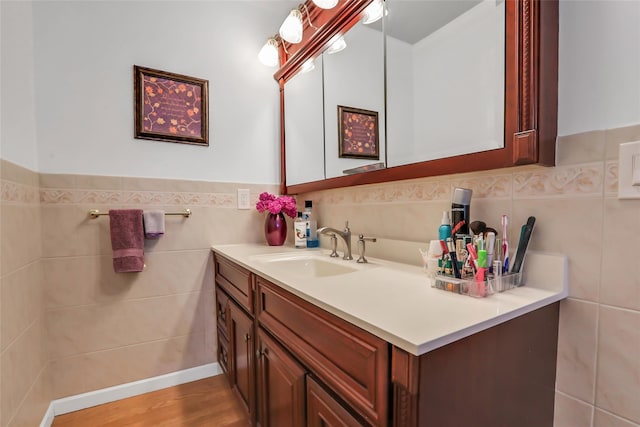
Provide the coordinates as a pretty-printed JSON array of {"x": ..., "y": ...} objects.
[{"x": 345, "y": 235}]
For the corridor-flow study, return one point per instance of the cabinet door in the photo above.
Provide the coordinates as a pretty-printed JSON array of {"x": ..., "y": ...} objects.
[
  {"x": 280, "y": 385},
  {"x": 242, "y": 371},
  {"x": 324, "y": 411}
]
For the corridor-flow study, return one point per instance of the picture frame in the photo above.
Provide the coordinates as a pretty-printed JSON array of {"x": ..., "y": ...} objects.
[
  {"x": 358, "y": 133},
  {"x": 170, "y": 107}
]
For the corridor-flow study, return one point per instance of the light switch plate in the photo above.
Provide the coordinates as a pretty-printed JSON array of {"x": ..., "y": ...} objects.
[
  {"x": 626, "y": 189},
  {"x": 243, "y": 198}
]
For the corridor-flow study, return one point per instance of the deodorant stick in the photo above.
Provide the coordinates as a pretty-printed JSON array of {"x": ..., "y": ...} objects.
[{"x": 460, "y": 204}]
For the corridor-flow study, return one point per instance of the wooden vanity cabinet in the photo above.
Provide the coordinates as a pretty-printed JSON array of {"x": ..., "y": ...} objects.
[
  {"x": 283, "y": 344},
  {"x": 292, "y": 363}
]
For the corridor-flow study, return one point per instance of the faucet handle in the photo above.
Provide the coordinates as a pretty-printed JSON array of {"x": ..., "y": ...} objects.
[
  {"x": 361, "y": 247},
  {"x": 334, "y": 246},
  {"x": 346, "y": 226}
]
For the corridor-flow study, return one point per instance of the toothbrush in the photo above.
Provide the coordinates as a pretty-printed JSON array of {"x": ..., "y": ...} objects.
[{"x": 505, "y": 245}]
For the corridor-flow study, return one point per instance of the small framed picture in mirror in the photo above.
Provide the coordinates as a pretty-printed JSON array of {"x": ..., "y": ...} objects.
[
  {"x": 358, "y": 133},
  {"x": 170, "y": 107}
]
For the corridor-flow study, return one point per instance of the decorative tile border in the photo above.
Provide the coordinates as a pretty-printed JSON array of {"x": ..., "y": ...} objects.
[
  {"x": 13, "y": 192},
  {"x": 487, "y": 186},
  {"x": 108, "y": 197},
  {"x": 561, "y": 181},
  {"x": 611, "y": 178}
]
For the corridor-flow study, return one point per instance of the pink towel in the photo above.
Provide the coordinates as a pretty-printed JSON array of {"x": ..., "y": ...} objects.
[
  {"x": 127, "y": 240},
  {"x": 153, "y": 224}
]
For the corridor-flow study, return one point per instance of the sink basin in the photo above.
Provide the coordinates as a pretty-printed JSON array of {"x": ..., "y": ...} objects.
[{"x": 307, "y": 265}]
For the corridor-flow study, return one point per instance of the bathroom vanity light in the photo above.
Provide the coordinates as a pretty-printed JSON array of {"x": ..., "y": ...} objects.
[
  {"x": 307, "y": 66},
  {"x": 373, "y": 12},
  {"x": 268, "y": 55},
  {"x": 336, "y": 44},
  {"x": 291, "y": 28},
  {"x": 325, "y": 4}
]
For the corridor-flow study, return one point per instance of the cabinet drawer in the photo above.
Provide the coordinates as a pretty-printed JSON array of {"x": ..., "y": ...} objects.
[
  {"x": 235, "y": 280},
  {"x": 350, "y": 361},
  {"x": 222, "y": 312}
]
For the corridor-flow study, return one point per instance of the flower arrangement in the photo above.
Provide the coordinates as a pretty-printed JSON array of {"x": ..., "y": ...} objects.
[{"x": 275, "y": 205}]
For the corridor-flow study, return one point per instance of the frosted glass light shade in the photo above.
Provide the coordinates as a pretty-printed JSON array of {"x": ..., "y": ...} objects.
[
  {"x": 373, "y": 12},
  {"x": 307, "y": 66},
  {"x": 337, "y": 44},
  {"x": 325, "y": 4},
  {"x": 291, "y": 28},
  {"x": 268, "y": 55}
]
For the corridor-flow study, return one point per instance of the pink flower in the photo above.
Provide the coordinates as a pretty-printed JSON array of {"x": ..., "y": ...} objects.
[{"x": 275, "y": 205}]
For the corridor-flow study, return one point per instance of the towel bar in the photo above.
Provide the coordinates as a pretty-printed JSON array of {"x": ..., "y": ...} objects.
[{"x": 95, "y": 213}]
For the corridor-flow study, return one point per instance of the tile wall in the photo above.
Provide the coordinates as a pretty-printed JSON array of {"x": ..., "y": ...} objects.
[
  {"x": 62, "y": 306},
  {"x": 69, "y": 324},
  {"x": 24, "y": 383},
  {"x": 105, "y": 328},
  {"x": 578, "y": 214}
]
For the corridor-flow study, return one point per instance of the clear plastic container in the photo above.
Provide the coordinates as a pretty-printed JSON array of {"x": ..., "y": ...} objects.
[{"x": 475, "y": 288}]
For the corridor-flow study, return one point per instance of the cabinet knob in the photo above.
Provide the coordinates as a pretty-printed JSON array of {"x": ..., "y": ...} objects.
[{"x": 247, "y": 338}]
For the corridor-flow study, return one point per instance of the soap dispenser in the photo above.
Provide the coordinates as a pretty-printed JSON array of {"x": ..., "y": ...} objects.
[{"x": 444, "y": 231}]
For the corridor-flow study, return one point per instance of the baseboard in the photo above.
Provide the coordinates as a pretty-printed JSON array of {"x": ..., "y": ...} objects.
[
  {"x": 47, "y": 419},
  {"x": 122, "y": 391}
]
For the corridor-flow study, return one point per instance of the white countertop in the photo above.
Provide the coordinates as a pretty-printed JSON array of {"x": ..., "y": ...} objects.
[{"x": 396, "y": 301}]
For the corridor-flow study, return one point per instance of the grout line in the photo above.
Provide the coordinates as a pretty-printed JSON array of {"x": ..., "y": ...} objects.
[
  {"x": 202, "y": 332},
  {"x": 120, "y": 301},
  {"x": 22, "y": 267},
  {"x": 208, "y": 248},
  {"x": 630, "y": 421},
  {"x": 23, "y": 332}
]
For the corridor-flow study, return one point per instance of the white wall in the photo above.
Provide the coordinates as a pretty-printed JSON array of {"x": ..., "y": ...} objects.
[
  {"x": 599, "y": 65},
  {"x": 18, "y": 142},
  {"x": 85, "y": 52}
]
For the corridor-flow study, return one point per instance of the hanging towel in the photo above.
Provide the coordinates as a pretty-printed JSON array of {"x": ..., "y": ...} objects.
[
  {"x": 153, "y": 224},
  {"x": 127, "y": 240}
]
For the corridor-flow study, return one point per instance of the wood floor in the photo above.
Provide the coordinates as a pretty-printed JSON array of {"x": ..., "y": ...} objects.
[{"x": 205, "y": 403}]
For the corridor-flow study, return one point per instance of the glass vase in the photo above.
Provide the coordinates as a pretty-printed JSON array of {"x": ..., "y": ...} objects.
[{"x": 275, "y": 229}]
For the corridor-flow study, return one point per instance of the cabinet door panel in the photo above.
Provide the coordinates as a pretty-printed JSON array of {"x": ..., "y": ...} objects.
[
  {"x": 349, "y": 360},
  {"x": 242, "y": 372},
  {"x": 324, "y": 411},
  {"x": 281, "y": 382}
]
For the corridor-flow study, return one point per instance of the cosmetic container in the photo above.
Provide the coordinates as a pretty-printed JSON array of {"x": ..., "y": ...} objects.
[
  {"x": 460, "y": 209},
  {"x": 312, "y": 225},
  {"x": 300, "y": 232},
  {"x": 444, "y": 232},
  {"x": 476, "y": 288}
]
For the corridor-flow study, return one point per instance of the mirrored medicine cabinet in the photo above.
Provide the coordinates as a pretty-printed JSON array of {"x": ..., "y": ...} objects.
[{"x": 453, "y": 87}]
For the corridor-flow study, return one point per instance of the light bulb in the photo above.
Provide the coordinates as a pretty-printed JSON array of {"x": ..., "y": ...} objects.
[
  {"x": 373, "y": 12},
  {"x": 337, "y": 44},
  {"x": 291, "y": 28},
  {"x": 325, "y": 4},
  {"x": 269, "y": 53}
]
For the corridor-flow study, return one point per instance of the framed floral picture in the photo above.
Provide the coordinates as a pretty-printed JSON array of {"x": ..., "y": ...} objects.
[
  {"x": 357, "y": 133},
  {"x": 170, "y": 107}
]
